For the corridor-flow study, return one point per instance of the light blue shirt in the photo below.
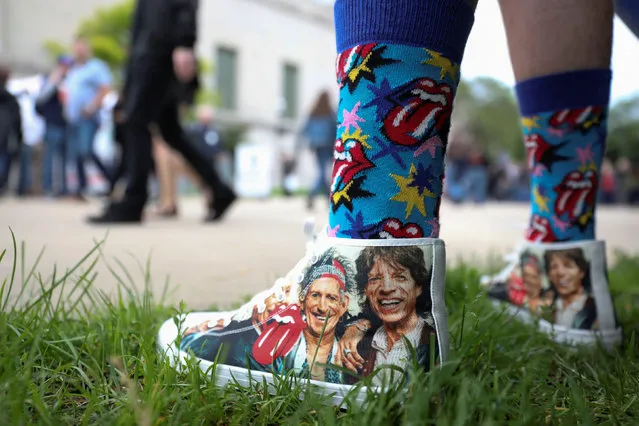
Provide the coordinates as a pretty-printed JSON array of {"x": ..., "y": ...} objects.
[{"x": 83, "y": 83}]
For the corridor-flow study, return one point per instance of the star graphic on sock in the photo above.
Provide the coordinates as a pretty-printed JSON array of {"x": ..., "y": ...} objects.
[
  {"x": 367, "y": 62},
  {"x": 584, "y": 220},
  {"x": 409, "y": 193},
  {"x": 387, "y": 148},
  {"x": 423, "y": 180},
  {"x": 446, "y": 67},
  {"x": 332, "y": 232},
  {"x": 586, "y": 155},
  {"x": 594, "y": 120},
  {"x": 351, "y": 119},
  {"x": 539, "y": 151},
  {"x": 562, "y": 225},
  {"x": 380, "y": 99},
  {"x": 530, "y": 123},
  {"x": 348, "y": 193},
  {"x": 430, "y": 145},
  {"x": 540, "y": 200},
  {"x": 356, "y": 136},
  {"x": 434, "y": 227},
  {"x": 538, "y": 170},
  {"x": 588, "y": 166}
]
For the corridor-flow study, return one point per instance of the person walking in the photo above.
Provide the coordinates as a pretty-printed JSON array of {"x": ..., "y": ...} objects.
[{"x": 163, "y": 35}]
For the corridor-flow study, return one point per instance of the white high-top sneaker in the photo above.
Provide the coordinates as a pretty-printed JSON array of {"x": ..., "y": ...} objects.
[
  {"x": 562, "y": 285},
  {"x": 346, "y": 310}
]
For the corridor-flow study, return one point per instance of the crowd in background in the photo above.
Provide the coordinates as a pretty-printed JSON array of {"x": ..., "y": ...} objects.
[
  {"x": 48, "y": 135},
  {"x": 51, "y": 126},
  {"x": 473, "y": 176}
]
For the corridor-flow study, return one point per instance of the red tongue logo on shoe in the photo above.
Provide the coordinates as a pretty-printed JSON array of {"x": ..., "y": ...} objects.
[
  {"x": 423, "y": 108},
  {"x": 279, "y": 334},
  {"x": 576, "y": 194},
  {"x": 540, "y": 230}
]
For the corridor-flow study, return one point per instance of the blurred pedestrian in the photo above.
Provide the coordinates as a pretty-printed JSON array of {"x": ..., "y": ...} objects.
[
  {"x": 49, "y": 106},
  {"x": 163, "y": 35},
  {"x": 319, "y": 132},
  {"x": 10, "y": 129},
  {"x": 87, "y": 83}
]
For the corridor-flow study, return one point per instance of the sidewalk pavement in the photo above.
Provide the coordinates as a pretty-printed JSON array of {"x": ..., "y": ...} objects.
[{"x": 258, "y": 241}]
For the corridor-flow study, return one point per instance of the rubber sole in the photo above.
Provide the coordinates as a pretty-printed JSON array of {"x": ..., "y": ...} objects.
[
  {"x": 608, "y": 338},
  {"x": 224, "y": 374}
]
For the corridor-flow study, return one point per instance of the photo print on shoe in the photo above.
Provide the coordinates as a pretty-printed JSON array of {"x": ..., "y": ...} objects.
[
  {"x": 336, "y": 319},
  {"x": 555, "y": 284}
]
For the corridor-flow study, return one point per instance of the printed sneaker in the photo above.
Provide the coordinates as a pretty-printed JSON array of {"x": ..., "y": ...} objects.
[
  {"x": 562, "y": 285},
  {"x": 347, "y": 308}
]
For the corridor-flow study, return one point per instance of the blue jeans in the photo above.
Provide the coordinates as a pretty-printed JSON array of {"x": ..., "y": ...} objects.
[
  {"x": 324, "y": 157},
  {"x": 54, "y": 148},
  {"x": 25, "y": 182},
  {"x": 476, "y": 183},
  {"x": 25, "y": 173},
  {"x": 5, "y": 167},
  {"x": 80, "y": 149}
]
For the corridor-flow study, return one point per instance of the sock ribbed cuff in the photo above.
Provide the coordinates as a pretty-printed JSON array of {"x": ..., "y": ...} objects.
[
  {"x": 439, "y": 25},
  {"x": 574, "y": 89}
]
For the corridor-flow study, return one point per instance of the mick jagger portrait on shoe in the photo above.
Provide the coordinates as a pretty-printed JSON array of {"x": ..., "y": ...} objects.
[
  {"x": 555, "y": 285},
  {"x": 347, "y": 313},
  {"x": 569, "y": 275},
  {"x": 393, "y": 285}
]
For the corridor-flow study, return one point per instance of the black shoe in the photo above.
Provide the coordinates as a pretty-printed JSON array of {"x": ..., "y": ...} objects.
[
  {"x": 118, "y": 213},
  {"x": 219, "y": 206}
]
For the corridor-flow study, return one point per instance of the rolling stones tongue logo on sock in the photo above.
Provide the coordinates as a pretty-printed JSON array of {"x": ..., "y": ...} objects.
[
  {"x": 539, "y": 151},
  {"x": 349, "y": 160},
  {"x": 578, "y": 119},
  {"x": 540, "y": 230},
  {"x": 280, "y": 333},
  {"x": 536, "y": 146},
  {"x": 359, "y": 63},
  {"x": 576, "y": 195},
  {"x": 421, "y": 109},
  {"x": 392, "y": 228}
]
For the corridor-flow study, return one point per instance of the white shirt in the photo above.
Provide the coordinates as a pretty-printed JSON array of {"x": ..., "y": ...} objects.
[
  {"x": 32, "y": 124},
  {"x": 399, "y": 355},
  {"x": 565, "y": 315}
]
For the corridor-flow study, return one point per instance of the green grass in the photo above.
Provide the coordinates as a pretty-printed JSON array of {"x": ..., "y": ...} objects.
[{"x": 70, "y": 354}]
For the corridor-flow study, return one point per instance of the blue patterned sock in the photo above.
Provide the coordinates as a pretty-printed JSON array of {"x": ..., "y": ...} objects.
[
  {"x": 564, "y": 121},
  {"x": 397, "y": 69}
]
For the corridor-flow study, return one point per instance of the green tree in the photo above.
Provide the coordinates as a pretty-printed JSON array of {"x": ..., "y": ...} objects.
[
  {"x": 108, "y": 32},
  {"x": 487, "y": 108},
  {"x": 623, "y": 130}
]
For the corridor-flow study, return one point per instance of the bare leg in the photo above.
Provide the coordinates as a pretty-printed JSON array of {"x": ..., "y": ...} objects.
[
  {"x": 181, "y": 167},
  {"x": 166, "y": 175},
  {"x": 561, "y": 35}
]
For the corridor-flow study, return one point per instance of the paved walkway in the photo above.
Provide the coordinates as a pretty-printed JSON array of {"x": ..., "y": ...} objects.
[{"x": 259, "y": 241}]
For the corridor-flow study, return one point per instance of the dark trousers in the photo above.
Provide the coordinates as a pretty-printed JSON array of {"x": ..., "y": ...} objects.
[{"x": 150, "y": 98}]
